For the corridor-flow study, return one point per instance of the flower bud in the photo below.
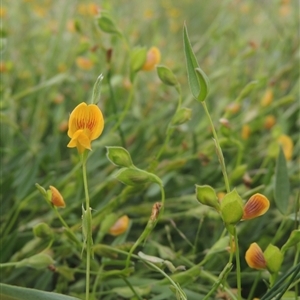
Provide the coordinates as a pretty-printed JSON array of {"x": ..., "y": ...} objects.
[
  {"x": 119, "y": 156},
  {"x": 106, "y": 24},
  {"x": 267, "y": 98},
  {"x": 120, "y": 226},
  {"x": 136, "y": 177},
  {"x": 274, "y": 258},
  {"x": 255, "y": 257},
  {"x": 256, "y": 206},
  {"x": 206, "y": 195},
  {"x": 56, "y": 197},
  {"x": 232, "y": 208},
  {"x": 38, "y": 261},
  {"x": 181, "y": 116},
  {"x": 293, "y": 240},
  {"x": 166, "y": 75},
  {"x": 152, "y": 59},
  {"x": 43, "y": 231}
]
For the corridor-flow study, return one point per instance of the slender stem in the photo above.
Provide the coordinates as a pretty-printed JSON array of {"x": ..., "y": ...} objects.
[
  {"x": 114, "y": 106},
  {"x": 238, "y": 264},
  {"x": 254, "y": 285},
  {"x": 9, "y": 264},
  {"x": 127, "y": 106},
  {"x": 88, "y": 233},
  {"x": 220, "y": 153}
]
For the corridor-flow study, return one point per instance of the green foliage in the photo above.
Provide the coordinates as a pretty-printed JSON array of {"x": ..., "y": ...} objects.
[{"x": 50, "y": 59}]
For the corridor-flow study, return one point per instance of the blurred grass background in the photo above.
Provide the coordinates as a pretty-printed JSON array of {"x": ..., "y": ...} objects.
[{"x": 52, "y": 53}]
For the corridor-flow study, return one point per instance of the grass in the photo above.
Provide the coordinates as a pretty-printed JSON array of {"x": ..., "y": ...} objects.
[{"x": 52, "y": 54}]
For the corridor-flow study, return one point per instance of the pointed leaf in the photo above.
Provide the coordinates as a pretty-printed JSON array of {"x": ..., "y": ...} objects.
[
  {"x": 204, "y": 84},
  {"x": 282, "y": 184}
]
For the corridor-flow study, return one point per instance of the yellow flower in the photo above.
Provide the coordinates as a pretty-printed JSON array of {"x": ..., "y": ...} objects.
[
  {"x": 287, "y": 146},
  {"x": 267, "y": 98},
  {"x": 86, "y": 123},
  {"x": 255, "y": 257},
  {"x": 246, "y": 131},
  {"x": 120, "y": 226},
  {"x": 153, "y": 58},
  {"x": 269, "y": 121},
  {"x": 84, "y": 63},
  {"x": 56, "y": 197},
  {"x": 256, "y": 206}
]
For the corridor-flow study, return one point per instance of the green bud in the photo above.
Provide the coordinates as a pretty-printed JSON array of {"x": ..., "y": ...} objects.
[
  {"x": 238, "y": 173},
  {"x": 274, "y": 258},
  {"x": 119, "y": 156},
  {"x": 182, "y": 115},
  {"x": 137, "y": 59},
  {"x": 166, "y": 75},
  {"x": 43, "y": 231},
  {"x": 206, "y": 195},
  {"x": 135, "y": 177},
  {"x": 41, "y": 190},
  {"x": 38, "y": 261},
  {"x": 232, "y": 208},
  {"x": 106, "y": 24},
  {"x": 293, "y": 240}
]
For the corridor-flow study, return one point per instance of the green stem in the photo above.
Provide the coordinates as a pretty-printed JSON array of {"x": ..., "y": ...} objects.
[
  {"x": 127, "y": 106},
  {"x": 238, "y": 265},
  {"x": 9, "y": 264},
  {"x": 218, "y": 147},
  {"x": 114, "y": 106},
  {"x": 88, "y": 233},
  {"x": 254, "y": 285}
]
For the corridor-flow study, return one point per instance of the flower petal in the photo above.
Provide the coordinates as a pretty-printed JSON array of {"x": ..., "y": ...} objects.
[
  {"x": 120, "y": 226},
  {"x": 56, "y": 198},
  {"x": 95, "y": 121},
  {"x": 255, "y": 257},
  {"x": 153, "y": 58},
  {"x": 256, "y": 206},
  {"x": 76, "y": 120}
]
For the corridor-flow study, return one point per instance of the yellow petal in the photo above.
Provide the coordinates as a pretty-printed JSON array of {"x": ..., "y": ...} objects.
[
  {"x": 255, "y": 257},
  {"x": 287, "y": 146},
  {"x": 88, "y": 118},
  {"x": 120, "y": 226},
  {"x": 57, "y": 199},
  {"x": 153, "y": 58},
  {"x": 256, "y": 206}
]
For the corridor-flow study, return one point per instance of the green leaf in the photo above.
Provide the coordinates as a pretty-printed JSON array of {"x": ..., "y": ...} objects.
[
  {"x": 107, "y": 24},
  {"x": 11, "y": 292},
  {"x": 204, "y": 84},
  {"x": 282, "y": 184},
  {"x": 119, "y": 156},
  {"x": 191, "y": 64},
  {"x": 198, "y": 81}
]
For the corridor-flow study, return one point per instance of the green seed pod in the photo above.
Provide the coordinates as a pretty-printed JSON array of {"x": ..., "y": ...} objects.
[
  {"x": 166, "y": 75},
  {"x": 43, "y": 231},
  {"x": 136, "y": 177}
]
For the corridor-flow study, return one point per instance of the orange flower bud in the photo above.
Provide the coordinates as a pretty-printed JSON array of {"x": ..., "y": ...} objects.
[
  {"x": 246, "y": 131},
  {"x": 56, "y": 198},
  {"x": 153, "y": 58},
  {"x": 255, "y": 257},
  {"x": 269, "y": 122},
  {"x": 267, "y": 98},
  {"x": 84, "y": 63},
  {"x": 256, "y": 206},
  {"x": 233, "y": 107},
  {"x": 120, "y": 226}
]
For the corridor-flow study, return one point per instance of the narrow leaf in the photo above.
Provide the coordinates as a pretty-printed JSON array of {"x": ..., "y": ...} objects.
[
  {"x": 282, "y": 184},
  {"x": 191, "y": 64},
  {"x": 204, "y": 84}
]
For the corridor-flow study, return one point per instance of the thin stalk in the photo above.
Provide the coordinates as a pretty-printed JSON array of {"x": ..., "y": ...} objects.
[
  {"x": 220, "y": 153},
  {"x": 114, "y": 106},
  {"x": 88, "y": 233},
  {"x": 254, "y": 285},
  {"x": 238, "y": 264},
  {"x": 127, "y": 106}
]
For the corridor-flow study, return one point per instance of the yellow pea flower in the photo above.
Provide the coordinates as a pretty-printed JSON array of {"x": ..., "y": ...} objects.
[
  {"x": 86, "y": 123},
  {"x": 287, "y": 146},
  {"x": 56, "y": 197},
  {"x": 267, "y": 98},
  {"x": 269, "y": 122},
  {"x": 246, "y": 131},
  {"x": 255, "y": 257},
  {"x": 256, "y": 206},
  {"x": 153, "y": 58},
  {"x": 120, "y": 226},
  {"x": 84, "y": 63}
]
